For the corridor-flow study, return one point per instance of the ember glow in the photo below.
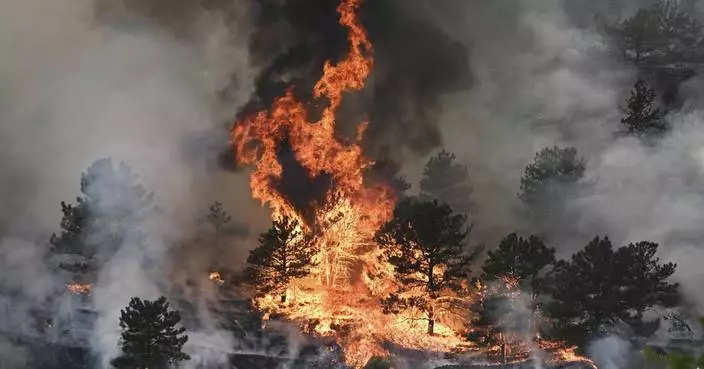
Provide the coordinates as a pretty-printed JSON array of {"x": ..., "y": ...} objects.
[
  {"x": 341, "y": 297},
  {"x": 79, "y": 289}
]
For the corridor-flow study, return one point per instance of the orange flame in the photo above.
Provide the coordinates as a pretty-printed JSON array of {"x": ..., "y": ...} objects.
[
  {"x": 79, "y": 289},
  {"x": 215, "y": 277}
]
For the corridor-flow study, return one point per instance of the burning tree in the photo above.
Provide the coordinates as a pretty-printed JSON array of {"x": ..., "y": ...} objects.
[
  {"x": 424, "y": 241},
  {"x": 601, "y": 288},
  {"x": 150, "y": 338},
  {"x": 642, "y": 117},
  {"x": 446, "y": 181},
  {"x": 284, "y": 254},
  {"x": 522, "y": 258}
]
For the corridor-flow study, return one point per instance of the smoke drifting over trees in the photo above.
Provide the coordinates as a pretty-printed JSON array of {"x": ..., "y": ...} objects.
[{"x": 157, "y": 85}]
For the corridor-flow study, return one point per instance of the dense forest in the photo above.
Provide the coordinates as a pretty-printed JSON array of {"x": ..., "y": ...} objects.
[{"x": 387, "y": 244}]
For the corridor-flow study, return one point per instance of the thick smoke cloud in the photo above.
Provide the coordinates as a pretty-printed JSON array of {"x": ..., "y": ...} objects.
[
  {"x": 82, "y": 81},
  {"x": 546, "y": 77},
  {"x": 416, "y": 62}
]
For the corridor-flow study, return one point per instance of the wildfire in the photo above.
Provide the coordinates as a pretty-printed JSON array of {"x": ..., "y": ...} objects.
[
  {"x": 215, "y": 277},
  {"x": 342, "y": 296},
  {"x": 79, "y": 289},
  {"x": 562, "y": 354}
]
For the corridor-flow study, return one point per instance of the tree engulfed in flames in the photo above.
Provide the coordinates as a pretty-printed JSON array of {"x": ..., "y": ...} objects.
[
  {"x": 345, "y": 288},
  {"x": 342, "y": 296}
]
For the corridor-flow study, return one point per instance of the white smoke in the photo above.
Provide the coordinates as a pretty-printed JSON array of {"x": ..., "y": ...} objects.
[
  {"x": 610, "y": 352},
  {"x": 73, "y": 90}
]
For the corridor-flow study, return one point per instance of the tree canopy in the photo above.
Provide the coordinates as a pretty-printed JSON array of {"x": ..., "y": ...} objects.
[
  {"x": 285, "y": 252},
  {"x": 664, "y": 32},
  {"x": 447, "y": 181},
  {"x": 522, "y": 258},
  {"x": 602, "y": 288},
  {"x": 150, "y": 337},
  {"x": 107, "y": 213},
  {"x": 424, "y": 241},
  {"x": 641, "y": 115},
  {"x": 550, "y": 174}
]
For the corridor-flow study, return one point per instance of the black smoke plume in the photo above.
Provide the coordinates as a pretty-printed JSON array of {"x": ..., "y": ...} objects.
[{"x": 415, "y": 64}]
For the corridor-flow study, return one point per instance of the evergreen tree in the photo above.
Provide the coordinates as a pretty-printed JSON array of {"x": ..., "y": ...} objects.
[
  {"x": 552, "y": 171},
  {"x": 521, "y": 258},
  {"x": 218, "y": 218},
  {"x": 641, "y": 116},
  {"x": 600, "y": 289},
  {"x": 424, "y": 241},
  {"x": 662, "y": 33},
  {"x": 546, "y": 186},
  {"x": 109, "y": 211},
  {"x": 447, "y": 181},
  {"x": 150, "y": 338},
  {"x": 284, "y": 253}
]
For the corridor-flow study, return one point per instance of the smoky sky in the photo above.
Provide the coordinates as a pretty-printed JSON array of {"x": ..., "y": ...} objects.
[{"x": 416, "y": 62}]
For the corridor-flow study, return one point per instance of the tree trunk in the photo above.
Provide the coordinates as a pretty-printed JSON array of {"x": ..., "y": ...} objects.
[
  {"x": 431, "y": 323},
  {"x": 283, "y": 297},
  {"x": 503, "y": 353}
]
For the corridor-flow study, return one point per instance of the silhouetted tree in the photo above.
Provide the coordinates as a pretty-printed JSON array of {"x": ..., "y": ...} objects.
[
  {"x": 641, "y": 116},
  {"x": 150, "y": 338},
  {"x": 546, "y": 186},
  {"x": 446, "y": 181},
  {"x": 109, "y": 211},
  {"x": 661, "y": 33},
  {"x": 424, "y": 241},
  {"x": 285, "y": 252},
  {"x": 523, "y": 258},
  {"x": 218, "y": 218},
  {"x": 601, "y": 288}
]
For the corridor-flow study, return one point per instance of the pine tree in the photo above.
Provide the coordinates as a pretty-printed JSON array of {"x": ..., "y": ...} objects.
[
  {"x": 218, "y": 218},
  {"x": 150, "y": 338},
  {"x": 424, "y": 241},
  {"x": 641, "y": 116},
  {"x": 109, "y": 211},
  {"x": 662, "y": 33},
  {"x": 447, "y": 181},
  {"x": 284, "y": 253},
  {"x": 600, "y": 289},
  {"x": 523, "y": 258},
  {"x": 552, "y": 171}
]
